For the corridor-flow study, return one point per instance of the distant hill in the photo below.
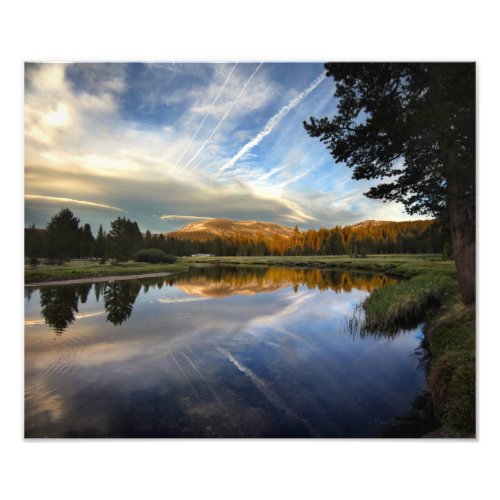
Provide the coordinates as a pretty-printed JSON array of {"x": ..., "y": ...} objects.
[
  {"x": 227, "y": 228},
  {"x": 371, "y": 223}
]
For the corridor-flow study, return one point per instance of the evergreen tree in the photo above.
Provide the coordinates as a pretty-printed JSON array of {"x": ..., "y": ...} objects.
[
  {"x": 148, "y": 240},
  {"x": 87, "y": 241},
  {"x": 337, "y": 243},
  {"x": 415, "y": 125},
  {"x": 100, "y": 244},
  {"x": 35, "y": 244},
  {"x": 124, "y": 239},
  {"x": 63, "y": 233}
]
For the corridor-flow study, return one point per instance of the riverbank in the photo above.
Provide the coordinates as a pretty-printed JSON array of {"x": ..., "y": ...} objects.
[
  {"x": 429, "y": 293},
  {"x": 450, "y": 339},
  {"x": 92, "y": 270},
  {"x": 395, "y": 265},
  {"x": 403, "y": 266},
  {"x": 102, "y": 279}
]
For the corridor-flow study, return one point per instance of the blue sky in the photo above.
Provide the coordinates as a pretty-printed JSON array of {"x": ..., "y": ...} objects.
[{"x": 169, "y": 144}]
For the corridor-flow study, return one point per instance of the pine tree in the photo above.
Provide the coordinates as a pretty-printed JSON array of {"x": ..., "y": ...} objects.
[
  {"x": 414, "y": 124},
  {"x": 100, "y": 244},
  {"x": 124, "y": 239},
  {"x": 87, "y": 241},
  {"x": 63, "y": 233}
]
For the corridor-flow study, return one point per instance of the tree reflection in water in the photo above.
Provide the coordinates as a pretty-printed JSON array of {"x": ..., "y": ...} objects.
[
  {"x": 58, "y": 306},
  {"x": 119, "y": 298}
]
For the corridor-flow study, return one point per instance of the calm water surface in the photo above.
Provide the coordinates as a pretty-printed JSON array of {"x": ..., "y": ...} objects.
[{"x": 215, "y": 352}]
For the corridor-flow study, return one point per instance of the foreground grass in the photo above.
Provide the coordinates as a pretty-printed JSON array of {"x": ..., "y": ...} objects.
[
  {"x": 390, "y": 308},
  {"x": 451, "y": 338},
  {"x": 76, "y": 269}
]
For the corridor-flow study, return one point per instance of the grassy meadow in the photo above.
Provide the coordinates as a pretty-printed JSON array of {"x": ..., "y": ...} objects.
[
  {"x": 91, "y": 268},
  {"x": 401, "y": 265}
]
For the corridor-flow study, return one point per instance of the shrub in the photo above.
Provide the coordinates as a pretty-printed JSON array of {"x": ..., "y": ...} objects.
[{"x": 154, "y": 256}]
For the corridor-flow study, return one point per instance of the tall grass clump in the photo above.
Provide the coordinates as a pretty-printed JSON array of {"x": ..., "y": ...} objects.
[
  {"x": 397, "y": 306},
  {"x": 452, "y": 378},
  {"x": 154, "y": 256}
]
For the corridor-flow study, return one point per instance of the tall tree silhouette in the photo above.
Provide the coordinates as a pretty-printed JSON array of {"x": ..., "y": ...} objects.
[
  {"x": 100, "y": 243},
  {"x": 87, "y": 241},
  {"x": 63, "y": 235},
  {"x": 414, "y": 124},
  {"x": 124, "y": 238}
]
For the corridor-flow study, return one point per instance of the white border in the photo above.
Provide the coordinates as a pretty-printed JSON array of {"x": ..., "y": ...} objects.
[{"x": 245, "y": 31}]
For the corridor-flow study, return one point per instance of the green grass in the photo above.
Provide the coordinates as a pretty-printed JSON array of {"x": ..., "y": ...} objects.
[
  {"x": 80, "y": 268},
  {"x": 400, "y": 265},
  {"x": 390, "y": 308},
  {"x": 451, "y": 339}
]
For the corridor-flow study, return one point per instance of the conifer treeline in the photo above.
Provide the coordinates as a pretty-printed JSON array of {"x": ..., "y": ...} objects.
[{"x": 125, "y": 238}]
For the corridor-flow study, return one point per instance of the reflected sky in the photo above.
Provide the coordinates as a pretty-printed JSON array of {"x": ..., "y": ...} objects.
[{"x": 217, "y": 352}]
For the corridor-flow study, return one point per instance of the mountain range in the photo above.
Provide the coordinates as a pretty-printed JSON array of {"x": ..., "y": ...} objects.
[{"x": 227, "y": 228}]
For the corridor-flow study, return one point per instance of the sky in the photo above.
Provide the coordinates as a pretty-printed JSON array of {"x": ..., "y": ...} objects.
[{"x": 170, "y": 144}]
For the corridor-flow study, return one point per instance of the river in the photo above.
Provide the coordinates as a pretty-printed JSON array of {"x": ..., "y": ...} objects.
[{"x": 214, "y": 352}]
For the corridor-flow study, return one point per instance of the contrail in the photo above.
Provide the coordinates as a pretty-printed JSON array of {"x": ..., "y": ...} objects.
[
  {"x": 195, "y": 368},
  {"x": 272, "y": 122},
  {"x": 270, "y": 395},
  {"x": 224, "y": 117},
  {"x": 294, "y": 179},
  {"x": 269, "y": 174},
  {"x": 206, "y": 116},
  {"x": 185, "y": 375}
]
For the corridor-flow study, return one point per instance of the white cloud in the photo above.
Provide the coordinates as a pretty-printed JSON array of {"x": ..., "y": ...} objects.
[
  {"x": 272, "y": 122},
  {"x": 77, "y": 142},
  {"x": 236, "y": 99},
  {"x": 70, "y": 201},
  {"x": 261, "y": 92},
  {"x": 183, "y": 217},
  {"x": 208, "y": 112}
]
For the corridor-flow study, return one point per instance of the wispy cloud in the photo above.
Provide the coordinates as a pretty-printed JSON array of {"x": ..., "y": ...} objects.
[
  {"x": 183, "y": 217},
  {"x": 269, "y": 174},
  {"x": 272, "y": 122},
  {"x": 224, "y": 116},
  {"x": 184, "y": 139},
  {"x": 207, "y": 114},
  {"x": 294, "y": 179},
  {"x": 57, "y": 199}
]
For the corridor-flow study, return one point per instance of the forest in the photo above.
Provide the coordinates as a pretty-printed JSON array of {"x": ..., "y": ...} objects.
[{"x": 64, "y": 238}]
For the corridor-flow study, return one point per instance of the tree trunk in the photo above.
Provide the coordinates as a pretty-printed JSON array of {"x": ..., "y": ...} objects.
[{"x": 462, "y": 213}]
